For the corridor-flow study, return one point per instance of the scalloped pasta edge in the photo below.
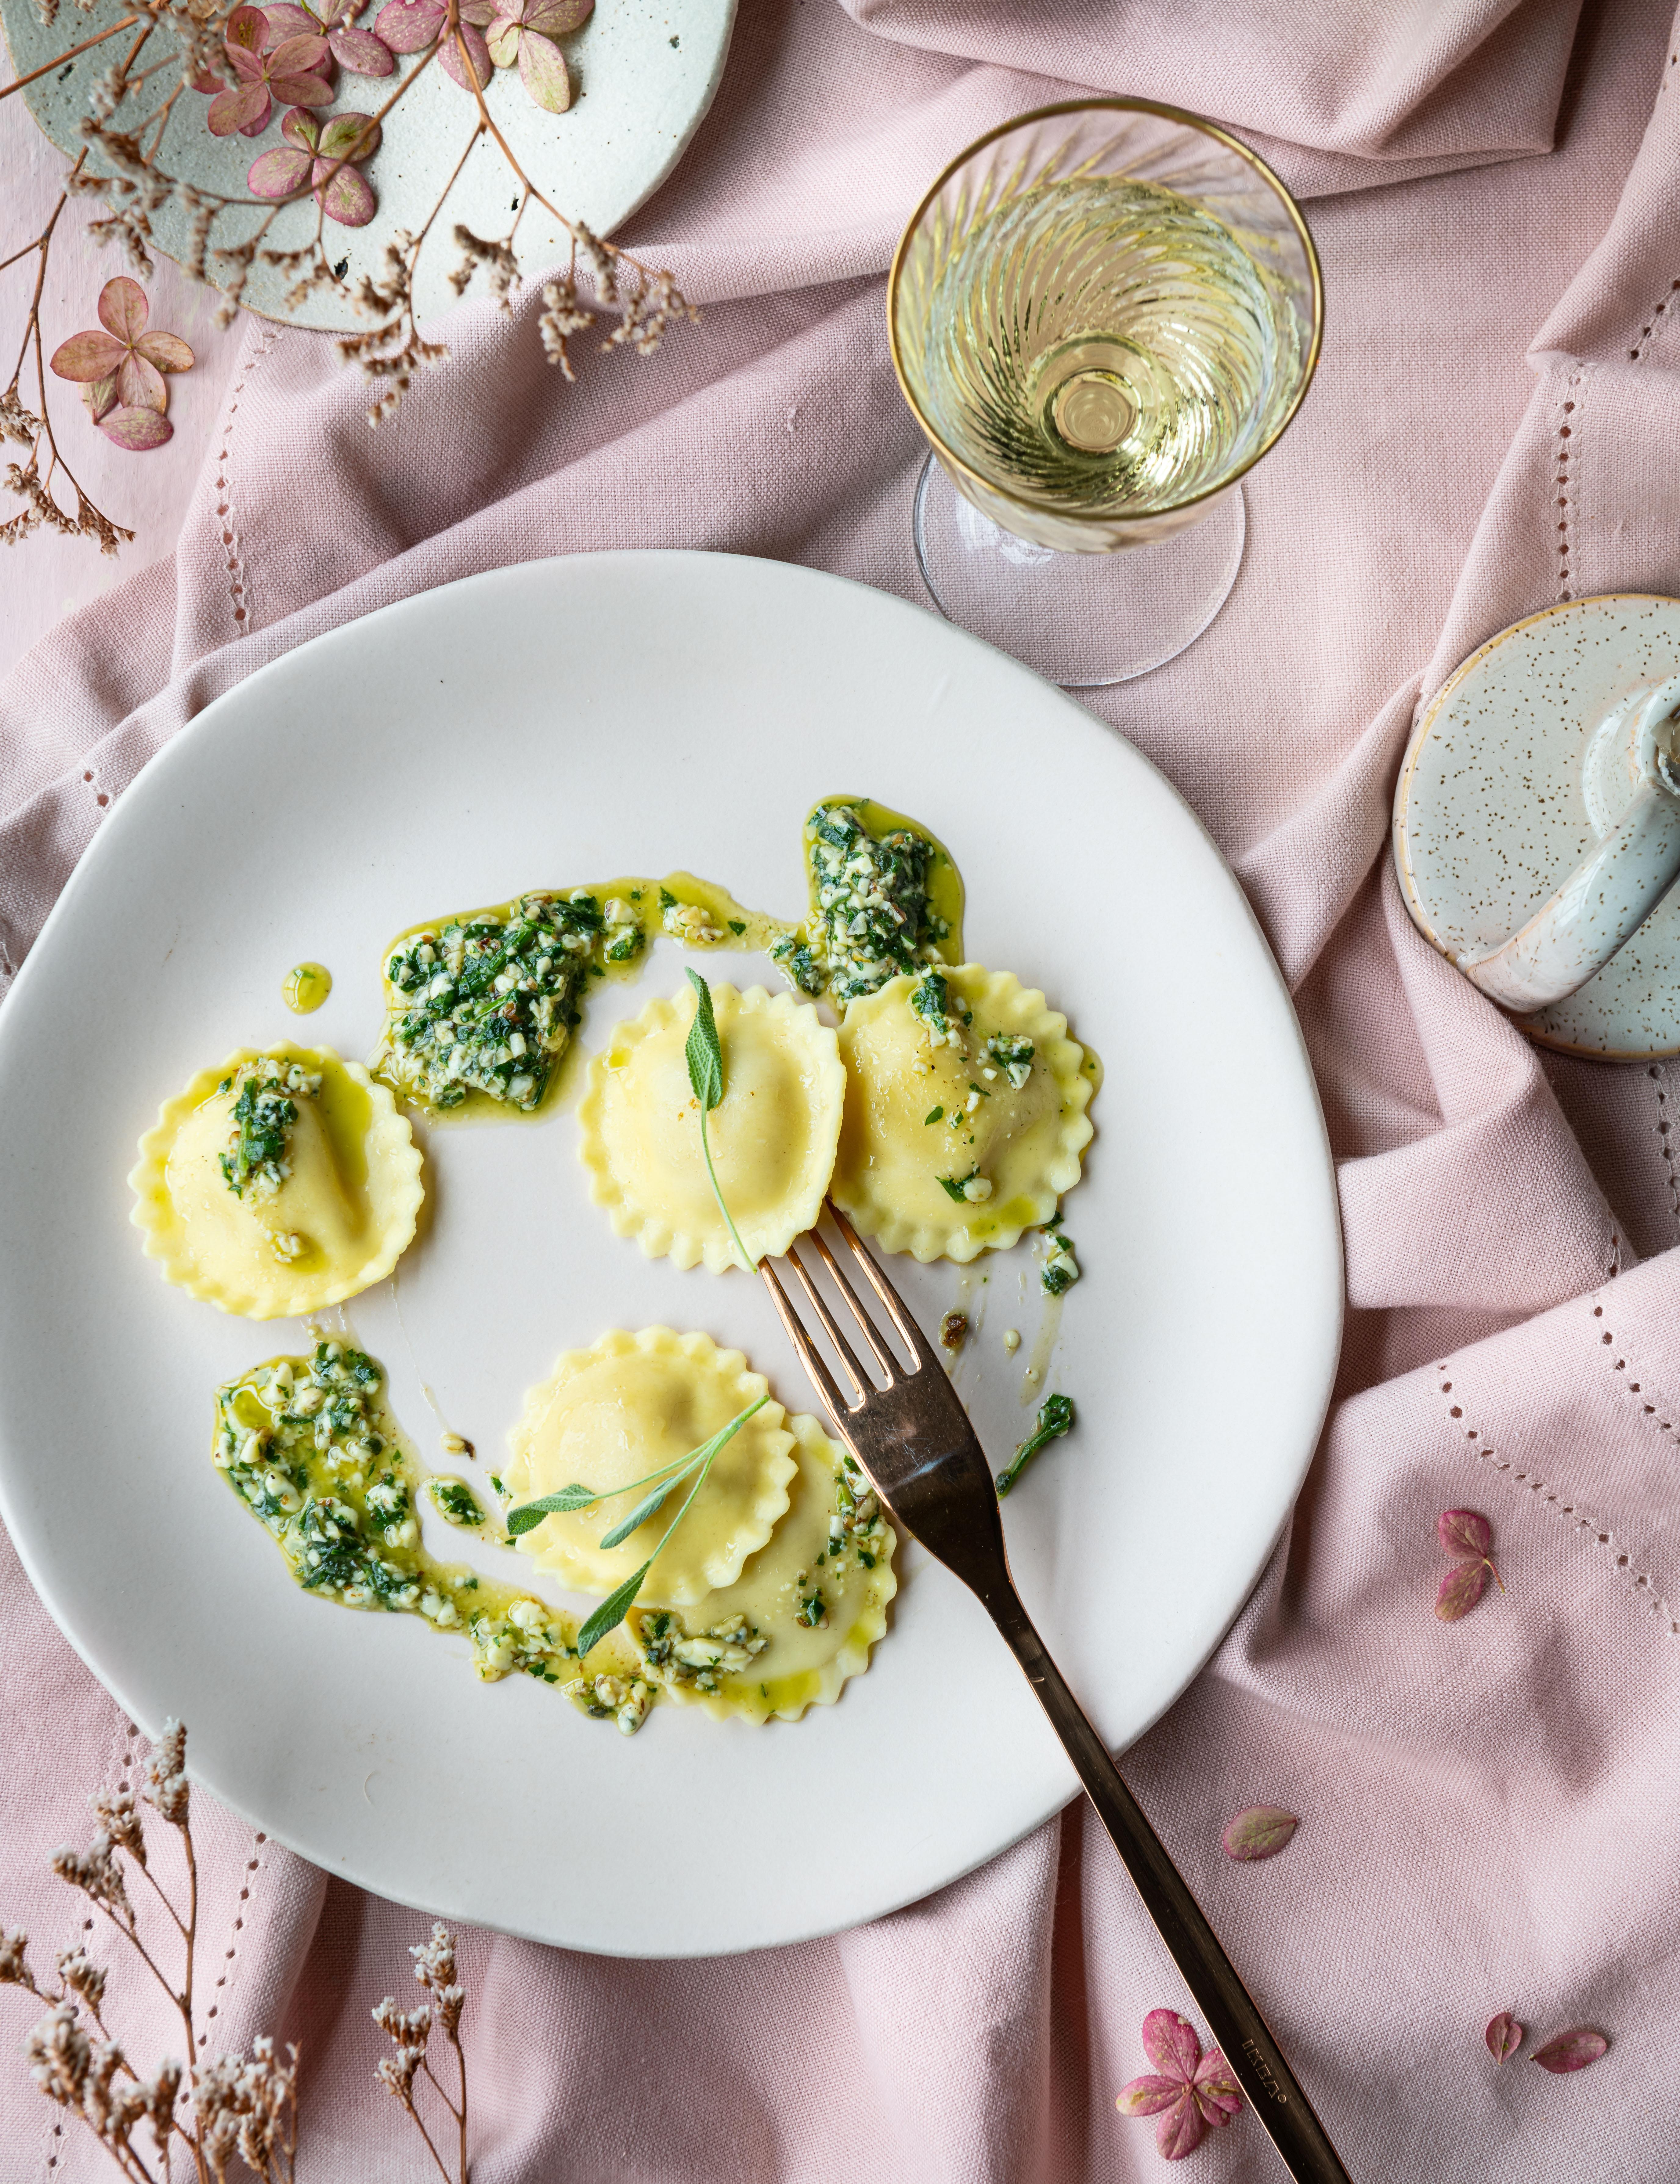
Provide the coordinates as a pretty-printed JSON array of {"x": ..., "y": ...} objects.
[
  {"x": 736, "y": 1374},
  {"x": 856, "y": 1649},
  {"x": 657, "y": 1236},
  {"x": 1021, "y": 1009},
  {"x": 389, "y": 1141}
]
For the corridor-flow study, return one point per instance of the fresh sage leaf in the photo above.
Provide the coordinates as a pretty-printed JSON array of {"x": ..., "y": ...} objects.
[
  {"x": 613, "y": 1610},
  {"x": 704, "y": 1049},
  {"x": 530, "y": 1514},
  {"x": 645, "y": 1509}
]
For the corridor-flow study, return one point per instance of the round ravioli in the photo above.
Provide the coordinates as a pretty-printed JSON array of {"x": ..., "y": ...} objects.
[
  {"x": 282, "y": 1183},
  {"x": 772, "y": 1135},
  {"x": 964, "y": 1117},
  {"x": 806, "y": 1610},
  {"x": 617, "y": 1414}
]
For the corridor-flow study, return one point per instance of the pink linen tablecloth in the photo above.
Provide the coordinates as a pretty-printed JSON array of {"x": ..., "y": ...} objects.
[{"x": 1486, "y": 1809}]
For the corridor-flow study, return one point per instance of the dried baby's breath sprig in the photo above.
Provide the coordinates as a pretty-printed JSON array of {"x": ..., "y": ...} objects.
[
  {"x": 502, "y": 273},
  {"x": 565, "y": 315},
  {"x": 410, "y": 2030}
]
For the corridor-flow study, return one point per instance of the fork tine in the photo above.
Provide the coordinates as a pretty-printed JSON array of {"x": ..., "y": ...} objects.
[
  {"x": 882, "y": 1356},
  {"x": 854, "y": 1365},
  {"x": 822, "y": 1378},
  {"x": 914, "y": 1339}
]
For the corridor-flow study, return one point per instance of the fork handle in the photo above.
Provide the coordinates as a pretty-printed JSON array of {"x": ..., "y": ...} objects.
[{"x": 1241, "y": 2031}]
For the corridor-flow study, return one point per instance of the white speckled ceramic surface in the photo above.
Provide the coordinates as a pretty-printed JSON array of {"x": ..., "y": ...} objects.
[
  {"x": 643, "y": 73},
  {"x": 1490, "y": 816}
]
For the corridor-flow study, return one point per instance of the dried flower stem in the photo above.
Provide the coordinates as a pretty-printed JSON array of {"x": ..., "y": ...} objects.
[{"x": 58, "y": 60}]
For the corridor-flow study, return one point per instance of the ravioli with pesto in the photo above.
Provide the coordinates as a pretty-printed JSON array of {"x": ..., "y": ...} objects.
[
  {"x": 282, "y": 1183},
  {"x": 620, "y": 1412},
  {"x": 772, "y": 1136},
  {"x": 964, "y": 1117}
]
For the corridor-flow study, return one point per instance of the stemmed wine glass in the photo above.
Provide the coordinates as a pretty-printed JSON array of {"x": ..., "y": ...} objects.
[{"x": 1101, "y": 315}]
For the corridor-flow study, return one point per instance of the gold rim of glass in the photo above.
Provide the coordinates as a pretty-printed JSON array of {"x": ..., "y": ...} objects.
[{"x": 942, "y": 447}]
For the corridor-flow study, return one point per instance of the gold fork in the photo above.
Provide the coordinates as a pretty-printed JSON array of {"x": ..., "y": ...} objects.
[{"x": 912, "y": 1437}]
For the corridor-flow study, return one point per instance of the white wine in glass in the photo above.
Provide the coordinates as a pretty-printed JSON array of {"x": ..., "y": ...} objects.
[{"x": 1102, "y": 315}]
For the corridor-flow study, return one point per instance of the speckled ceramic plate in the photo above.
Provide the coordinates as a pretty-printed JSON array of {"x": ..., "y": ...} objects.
[
  {"x": 1199, "y": 1347},
  {"x": 643, "y": 72},
  {"x": 1490, "y": 817}
]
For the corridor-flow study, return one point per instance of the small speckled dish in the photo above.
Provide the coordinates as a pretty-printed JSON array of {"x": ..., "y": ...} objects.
[{"x": 1490, "y": 815}]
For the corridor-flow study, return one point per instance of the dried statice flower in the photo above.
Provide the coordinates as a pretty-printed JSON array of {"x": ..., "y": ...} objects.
[
  {"x": 119, "y": 1816},
  {"x": 166, "y": 1784},
  {"x": 14, "y": 1967},
  {"x": 17, "y": 423},
  {"x": 397, "y": 2072},
  {"x": 565, "y": 315},
  {"x": 647, "y": 314},
  {"x": 602, "y": 261},
  {"x": 502, "y": 271},
  {"x": 408, "y": 2029},
  {"x": 59, "y": 2057},
  {"x": 80, "y": 1975},
  {"x": 98, "y": 1873},
  {"x": 435, "y": 1960}
]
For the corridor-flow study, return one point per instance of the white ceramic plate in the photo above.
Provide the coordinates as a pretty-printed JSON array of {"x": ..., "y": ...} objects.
[
  {"x": 562, "y": 722},
  {"x": 643, "y": 73}
]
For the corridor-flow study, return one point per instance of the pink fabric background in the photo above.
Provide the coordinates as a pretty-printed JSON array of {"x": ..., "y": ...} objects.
[{"x": 1488, "y": 1810}]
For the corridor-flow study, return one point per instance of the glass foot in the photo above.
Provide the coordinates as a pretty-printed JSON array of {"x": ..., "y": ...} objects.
[{"x": 1082, "y": 619}]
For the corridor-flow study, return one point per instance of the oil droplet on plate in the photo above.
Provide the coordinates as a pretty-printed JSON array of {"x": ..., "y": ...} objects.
[{"x": 307, "y": 986}]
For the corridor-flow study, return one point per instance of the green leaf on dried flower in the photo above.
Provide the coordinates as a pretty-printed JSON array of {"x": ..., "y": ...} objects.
[
  {"x": 1261, "y": 1831},
  {"x": 1572, "y": 2050},
  {"x": 1504, "y": 2035}
]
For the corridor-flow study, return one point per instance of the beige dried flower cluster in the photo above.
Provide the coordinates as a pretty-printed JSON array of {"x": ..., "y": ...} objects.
[
  {"x": 230, "y": 2116},
  {"x": 124, "y": 131}
]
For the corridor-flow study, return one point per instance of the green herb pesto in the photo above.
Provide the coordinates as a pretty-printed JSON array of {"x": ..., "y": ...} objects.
[
  {"x": 455, "y": 1501},
  {"x": 264, "y": 1109},
  {"x": 885, "y": 896},
  {"x": 1060, "y": 1269},
  {"x": 1012, "y": 1055},
  {"x": 481, "y": 1006},
  {"x": 310, "y": 1449}
]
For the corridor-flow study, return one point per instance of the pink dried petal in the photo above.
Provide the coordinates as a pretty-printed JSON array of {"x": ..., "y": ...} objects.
[
  {"x": 1181, "y": 2130},
  {"x": 361, "y": 51},
  {"x": 1171, "y": 2044},
  {"x": 350, "y": 136},
  {"x": 288, "y": 22},
  {"x": 1148, "y": 2096},
  {"x": 123, "y": 309},
  {"x": 1572, "y": 2050},
  {"x": 542, "y": 71},
  {"x": 483, "y": 13},
  {"x": 1504, "y": 2035},
  {"x": 246, "y": 109},
  {"x": 136, "y": 430},
  {"x": 1462, "y": 1532},
  {"x": 297, "y": 57},
  {"x": 348, "y": 197},
  {"x": 89, "y": 356},
  {"x": 1462, "y": 1586},
  {"x": 503, "y": 40},
  {"x": 302, "y": 90},
  {"x": 554, "y": 18},
  {"x": 140, "y": 384},
  {"x": 169, "y": 352},
  {"x": 100, "y": 395},
  {"x": 247, "y": 67},
  {"x": 246, "y": 31},
  {"x": 1217, "y": 2089},
  {"x": 1261, "y": 1831},
  {"x": 277, "y": 173},
  {"x": 302, "y": 128},
  {"x": 208, "y": 82},
  {"x": 407, "y": 25},
  {"x": 450, "y": 59}
]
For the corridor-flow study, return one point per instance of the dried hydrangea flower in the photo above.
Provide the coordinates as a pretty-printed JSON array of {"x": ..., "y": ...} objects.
[
  {"x": 311, "y": 154},
  {"x": 1187, "y": 2090},
  {"x": 1468, "y": 1537},
  {"x": 409, "y": 26},
  {"x": 524, "y": 32},
  {"x": 364, "y": 52},
  {"x": 120, "y": 367},
  {"x": 1572, "y": 2050},
  {"x": 1259, "y": 1832},
  {"x": 289, "y": 71},
  {"x": 1504, "y": 2035}
]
